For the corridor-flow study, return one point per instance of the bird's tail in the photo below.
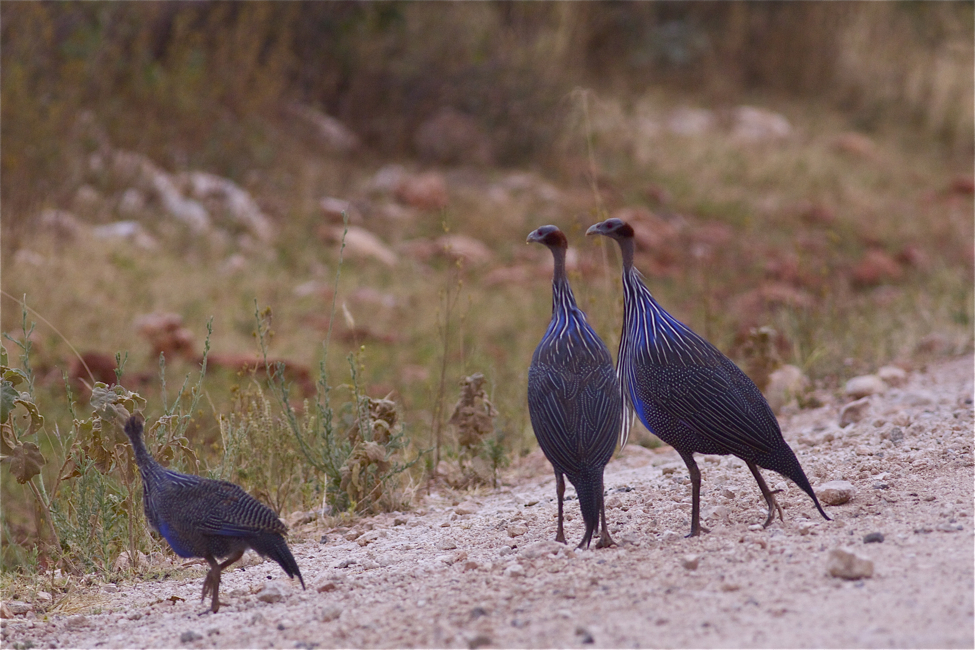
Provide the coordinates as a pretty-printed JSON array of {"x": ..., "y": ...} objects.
[
  {"x": 589, "y": 489},
  {"x": 272, "y": 545}
]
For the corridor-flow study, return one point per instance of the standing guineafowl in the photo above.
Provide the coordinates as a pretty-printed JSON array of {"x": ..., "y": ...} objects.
[
  {"x": 574, "y": 398},
  {"x": 200, "y": 517},
  {"x": 691, "y": 395}
]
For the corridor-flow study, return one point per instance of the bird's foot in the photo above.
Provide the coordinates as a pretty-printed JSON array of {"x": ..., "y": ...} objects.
[
  {"x": 605, "y": 541},
  {"x": 696, "y": 531},
  {"x": 560, "y": 537},
  {"x": 773, "y": 507}
]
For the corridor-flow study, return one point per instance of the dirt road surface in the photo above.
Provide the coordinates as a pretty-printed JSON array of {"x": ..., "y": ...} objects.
[{"x": 480, "y": 569}]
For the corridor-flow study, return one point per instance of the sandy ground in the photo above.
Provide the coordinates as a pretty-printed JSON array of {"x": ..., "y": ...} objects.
[{"x": 481, "y": 569}]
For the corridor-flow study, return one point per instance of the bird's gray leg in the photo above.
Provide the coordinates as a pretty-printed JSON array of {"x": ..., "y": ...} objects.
[
  {"x": 211, "y": 584},
  {"x": 769, "y": 495},
  {"x": 560, "y": 492},
  {"x": 605, "y": 540},
  {"x": 695, "y": 473}
]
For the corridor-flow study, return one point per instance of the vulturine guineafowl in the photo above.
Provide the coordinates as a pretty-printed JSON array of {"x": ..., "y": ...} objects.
[
  {"x": 689, "y": 394},
  {"x": 574, "y": 398},
  {"x": 201, "y": 517}
]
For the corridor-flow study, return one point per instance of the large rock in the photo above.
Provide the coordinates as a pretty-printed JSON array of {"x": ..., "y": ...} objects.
[
  {"x": 892, "y": 375},
  {"x": 835, "y": 493},
  {"x": 854, "y": 411},
  {"x": 844, "y": 563},
  {"x": 425, "y": 191},
  {"x": 332, "y": 133},
  {"x": 865, "y": 385},
  {"x": 754, "y": 124},
  {"x": 363, "y": 244},
  {"x": 784, "y": 385}
]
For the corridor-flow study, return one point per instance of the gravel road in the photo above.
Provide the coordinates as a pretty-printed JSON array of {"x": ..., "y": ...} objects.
[{"x": 480, "y": 568}]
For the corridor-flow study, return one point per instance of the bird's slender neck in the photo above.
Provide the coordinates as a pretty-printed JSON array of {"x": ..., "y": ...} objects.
[
  {"x": 143, "y": 458},
  {"x": 626, "y": 249},
  {"x": 561, "y": 291}
]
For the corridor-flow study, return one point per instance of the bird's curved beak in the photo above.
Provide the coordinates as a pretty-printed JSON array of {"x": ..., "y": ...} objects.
[
  {"x": 595, "y": 229},
  {"x": 532, "y": 237}
]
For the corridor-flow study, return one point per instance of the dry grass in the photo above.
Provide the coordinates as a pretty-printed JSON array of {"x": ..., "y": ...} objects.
[{"x": 799, "y": 214}]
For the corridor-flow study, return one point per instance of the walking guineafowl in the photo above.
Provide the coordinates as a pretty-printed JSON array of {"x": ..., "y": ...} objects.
[
  {"x": 689, "y": 394},
  {"x": 574, "y": 398},
  {"x": 201, "y": 517}
]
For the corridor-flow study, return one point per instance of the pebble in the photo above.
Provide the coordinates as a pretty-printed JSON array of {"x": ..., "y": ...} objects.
[
  {"x": 326, "y": 586},
  {"x": 946, "y": 527},
  {"x": 271, "y": 593},
  {"x": 854, "y": 411},
  {"x": 514, "y": 571},
  {"x": 5, "y": 612},
  {"x": 540, "y": 549},
  {"x": 844, "y": 563},
  {"x": 872, "y": 538},
  {"x": 690, "y": 562},
  {"x": 517, "y": 529},
  {"x": 189, "y": 637},
  {"x": 77, "y": 620},
  {"x": 18, "y": 607},
  {"x": 892, "y": 375},
  {"x": 446, "y": 545},
  {"x": 865, "y": 385},
  {"x": 44, "y": 597},
  {"x": 585, "y": 634},
  {"x": 835, "y": 493},
  {"x": 466, "y": 508},
  {"x": 369, "y": 565},
  {"x": 479, "y": 640},
  {"x": 670, "y": 536},
  {"x": 330, "y": 613},
  {"x": 784, "y": 384}
]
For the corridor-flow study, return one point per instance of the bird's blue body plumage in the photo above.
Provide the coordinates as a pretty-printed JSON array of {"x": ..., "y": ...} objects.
[
  {"x": 573, "y": 397},
  {"x": 200, "y": 517},
  {"x": 688, "y": 393}
]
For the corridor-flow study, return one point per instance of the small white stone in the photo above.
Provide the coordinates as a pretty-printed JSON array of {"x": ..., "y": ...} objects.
[
  {"x": 690, "y": 562},
  {"x": 670, "y": 536},
  {"x": 835, "y": 493},
  {"x": 517, "y": 529},
  {"x": 844, "y": 563},
  {"x": 865, "y": 385},
  {"x": 541, "y": 549},
  {"x": 18, "y": 607},
  {"x": 271, "y": 593},
  {"x": 329, "y": 613},
  {"x": 892, "y": 375},
  {"x": 514, "y": 571},
  {"x": 854, "y": 411}
]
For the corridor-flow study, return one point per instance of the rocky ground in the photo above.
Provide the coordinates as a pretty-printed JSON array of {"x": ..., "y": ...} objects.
[{"x": 481, "y": 569}]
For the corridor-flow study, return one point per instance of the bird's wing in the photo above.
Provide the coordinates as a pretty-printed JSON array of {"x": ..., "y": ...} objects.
[
  {"x": 601, "y": 412},
  {"x": 714, "y": 398},
  {"x": 222, "y": 508},
  {"x": 554, "y": 409}
]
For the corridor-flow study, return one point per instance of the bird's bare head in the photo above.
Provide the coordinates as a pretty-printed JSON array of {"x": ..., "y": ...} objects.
[
  {"x": 613, "y": 228},
  {"x": 549, "y": 236}
]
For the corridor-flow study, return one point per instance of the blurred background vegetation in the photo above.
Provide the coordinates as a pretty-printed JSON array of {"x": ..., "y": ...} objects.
[{"x": 850, "y": 233}]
